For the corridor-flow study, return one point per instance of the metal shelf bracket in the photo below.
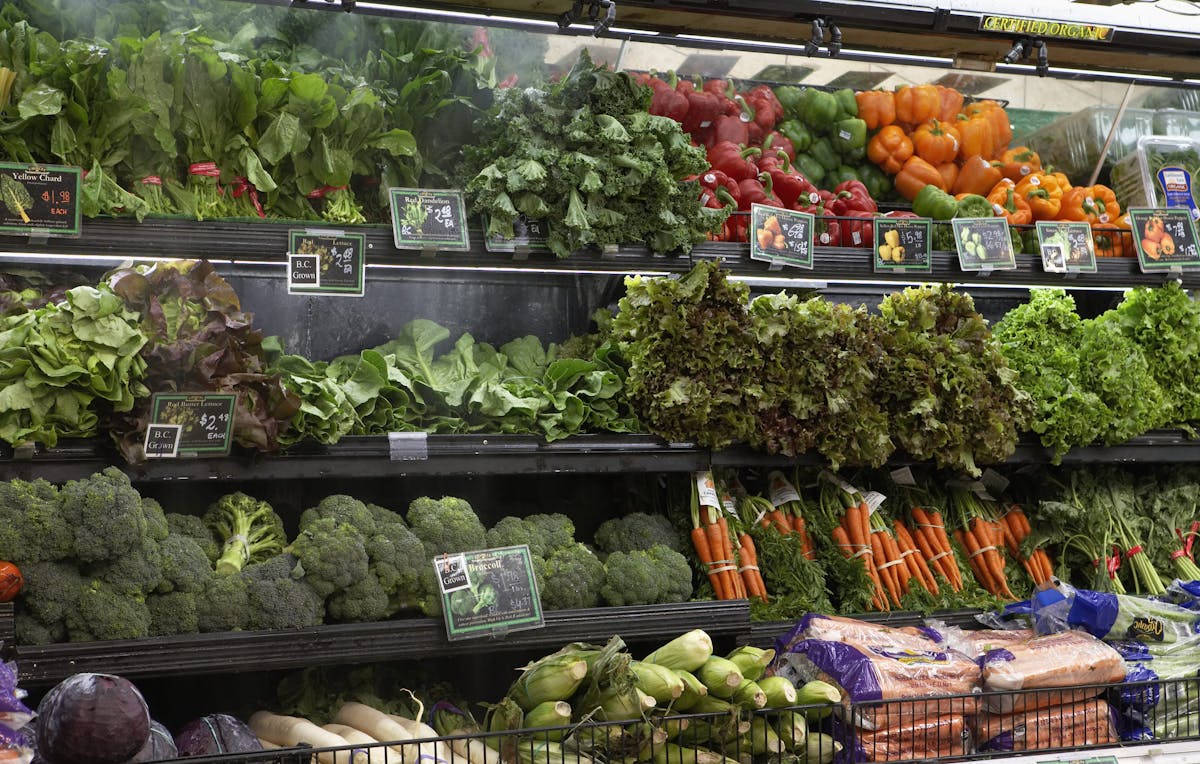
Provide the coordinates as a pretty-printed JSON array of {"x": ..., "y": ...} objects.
[{"x": 600, "y": 24}]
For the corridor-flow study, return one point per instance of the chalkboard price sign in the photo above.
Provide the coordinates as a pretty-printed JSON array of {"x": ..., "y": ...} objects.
[
  {"x": 902, "y": 244},
  {"x": 781, "y": 237},
  {"x": 488, "y": 592},
  {"x": 984, "y": 244},
  {"x": 429, "y": 220},
  {"x": 1066, "y": 247},
  {"x": 326, "y": 262},
  {"x": 1166, "y": 238},
  {"x": 528, "y": 235},
  {"x": 39, "y": 199},
  {"x": 162, "y": 441},
  {"x": 205, "y": 421}
]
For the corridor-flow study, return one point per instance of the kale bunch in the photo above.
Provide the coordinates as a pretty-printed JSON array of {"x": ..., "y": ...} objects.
[
  {"x": 586, "y": 154},
  {"x": 1040, "y": 339},
  {"x": 694, "y": 364},
  {"x": 950, "y": 394}
]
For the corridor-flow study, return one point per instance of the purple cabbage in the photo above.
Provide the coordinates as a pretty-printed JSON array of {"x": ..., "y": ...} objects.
[
  {"x": 159, "y": 746},
  {"x": 92, "y": 719},
  {"x": 216, "y": 733}
]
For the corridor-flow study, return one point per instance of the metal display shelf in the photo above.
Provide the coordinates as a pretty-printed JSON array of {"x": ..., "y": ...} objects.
[
  {"x": 238, "y": 245},
  {"x": 368, "y": 457},
  {"x": 403, "y": 639}
]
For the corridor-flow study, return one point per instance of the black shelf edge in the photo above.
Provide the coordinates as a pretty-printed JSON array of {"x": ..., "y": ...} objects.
[
  {"x": 765, "y": 633},
  {"x": 404, "y": 639},
  {"x": 368, "y": 457},
  {"x": 240, "y": 246}
]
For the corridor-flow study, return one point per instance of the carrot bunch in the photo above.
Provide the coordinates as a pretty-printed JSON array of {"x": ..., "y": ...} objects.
[
  {"x": 890, "y": 566},
  {"x": 852, "y": 534},
  {"x": 982, "y": 537},
  {"x": 734, "y": 574},
  {"x": 914, "y": 558},
  {"x": 929, "y": 533},
  {"x": 1014, "y": 526},
  {"x": 787, "y": 515}
]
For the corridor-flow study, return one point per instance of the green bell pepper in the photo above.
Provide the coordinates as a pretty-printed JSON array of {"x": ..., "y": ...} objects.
[
  {"x": 822, "y": 150},
  {"x": 796, "y": 132},
  {"x": 819, "y": 109},
  {"x": 849, "y": 135},
  {"x": 840, "y": 174},
  {"x": 809, "y": 168},
  {"x": 847, "y": 103},
  {"x": 1018, "y": 242},
  {"x": 974, "y": 206},
  {"x": 878, "y": 182},
  {"x": 1029, "y": 242},
  {"x": 943, "y": 237},
  {"x": 791, "y": 98},
  {"x": 933, "y": 202}
]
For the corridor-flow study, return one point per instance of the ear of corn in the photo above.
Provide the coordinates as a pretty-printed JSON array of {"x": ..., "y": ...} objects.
[
  {"x": 819, "y": 748},
  {"x": 749, "y": 695},
  {"x": 792, "y": 729},
  {"x": 687, "y": 652},
  {"x": 693, "y": 690},
  {"x": 751, "y": 661},
  {"x": 763, "y": 738},
  {"x": 780, "y": 691},
  {"x": 555, "y": 677},
  {"x": 548, "y": 752},
  {"x": 669, "y": 753},
  {"x": 721, "y": 676},
  {"x": 822, "y": 695},
  {"x": 673, "y": 727},
  {"x": 711, "y": 704},
  {"x": 621, "y": 705},
  {"x": 505, "y": 716},
  {"x": 659, "y": 682},
  {"x": 552, "y": 713}
]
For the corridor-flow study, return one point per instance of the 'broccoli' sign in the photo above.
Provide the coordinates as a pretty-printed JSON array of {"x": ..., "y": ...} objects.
[
  {"x": 488, "y": 592},
  {"x": 41, "y": 199}
]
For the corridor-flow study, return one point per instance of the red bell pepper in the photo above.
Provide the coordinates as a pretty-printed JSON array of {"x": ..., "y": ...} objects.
[
  {"x": 666, "y": 100},
  {"x": 714, "y": 179},
  {"x": 703, "y": 111},
  {"x": 858, "y": 230},
  {"x": 828, "y": 231},
  {"x": 901, "y": 214},
  {"x": 766, "y": 93},
  {"x": 730, "y": 158},
  {"x": 777, "y": 141},
  {"x": 788, "y": 184},
  {"x": 730, "y": 128},
  {"x": 814, "y": 202},
  {"x": 756, "y": 191},
  {"x": 765, "y": 114},
  {"x": 857, "y": 196},
  {"x": 722, "y": 88}
]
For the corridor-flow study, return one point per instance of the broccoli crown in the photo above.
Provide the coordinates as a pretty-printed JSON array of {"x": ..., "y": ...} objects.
[
  {"x": 105, "y": 513},
  {"x": 223, "y": 605},
  {"x": 156, "y": 520},
  {"x": 278, "y": 599},
  {"x": 446, "y": 525},
  {"x": 32, "y": 528},
  {"x": 31, "y": 631},
  {"x": 646, "y": 577},
  {"x": 332, "y": 555},
  {"x": 570, "y": 578},
  {"x": 194, "y": 528},
  {"x": 185, "y": 566},
  {"x": 363, "y": 601},
  {"x": 543, "y": 534},
  {"x": 385, "y": 515},
  {"x": 344, "y": 509},
  {"x": 249, "y": 531},
  {"x": 396, "y": 558},
  {"x": 637, "y": 531},
  {"x": 173, "y": 613},
  {"x": 106, "y": 613},
  {"x": 136, "y": 572},
  {"x": 51, "y": 590}
]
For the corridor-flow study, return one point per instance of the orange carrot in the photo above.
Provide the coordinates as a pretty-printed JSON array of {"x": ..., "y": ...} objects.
[
  {"x": 704, "y": 554},
  {"x": 1010, "y": 535},
  {"x": 780, "y": 520},
  {"x": 801, "y": 527},
  {"x": 842, "y": 540},
  {"x": 939, "y": 529},
  {"x": 887, "y": 575},
  {"x": 938, "y": 555},
  {"x": 990, "y": 540},
  {"x": 916, "y": 561},
  {"x": 728, "y": 546},
  {"x": 982, "y": 574},
  {"x": 720, "y": 562}
]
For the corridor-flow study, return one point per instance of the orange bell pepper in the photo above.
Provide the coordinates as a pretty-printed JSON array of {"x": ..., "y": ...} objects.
[
  {"x": 950, "y": 103},
  {"x": 1018, "y": 162},
  {"x": 917, "y": 103},
  {"x": 1008, "y": 204},
  {"x": 998, "y": 118},
  {"x": 936, "y": 142},
  {"x": 949, "y": 171},
  {"x": 975, "y": 136},
  {"x": 1114, "y": 239},
  {"x": 1044, "y": 192},
  {"x": 876, "y": 107},
  {"x": 890, "y": 148},
  {"x": 1154, "y": 229},
  {"x": 976, "y": 176},
  {"x": 915, "y": 175},
  {"x": 1091, "y": 204}
]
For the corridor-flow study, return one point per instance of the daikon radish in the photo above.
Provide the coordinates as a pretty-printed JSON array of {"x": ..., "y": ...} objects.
[
  {"x": 372, "y": 749},
  {"x": 380, "y": 726},
  {"x": 422, "y": 731},
  {"x": 292, "y": 731}
]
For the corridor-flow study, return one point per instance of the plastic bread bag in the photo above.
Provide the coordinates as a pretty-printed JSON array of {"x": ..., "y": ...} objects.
[
  {"x": 14, "y": 714},
  {"x": 934, "y": 737},
  {"x": 1111, "y": 616},
  {"x": 1026, "y": 674},
  {"x": 886, "y": 675},
  {"x": 1085, "y": 723}
]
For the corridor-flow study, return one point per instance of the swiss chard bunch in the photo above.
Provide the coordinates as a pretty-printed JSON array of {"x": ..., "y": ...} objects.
[
  {"x": 1040, "y": 340},
  {"x": 199, "y": 340},
  {"x": 951, "y": 396},
  {"x": 695, "y": 367},
  {"x": 586, "y": 152}
]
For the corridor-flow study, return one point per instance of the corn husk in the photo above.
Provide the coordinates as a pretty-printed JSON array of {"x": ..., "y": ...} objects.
[
  {"x": 792, "y": 728},
  {"x": 548, "y": 752},
  {"x": 622, "y": 705},
  {"x": 819, "y": 748},
  {"x": 687, "y": 652},
  {"x": 693, "y": 690},
  {"x": 617, "y": 743},
  {"x": 717, "y": 730},
  {"x": 762, "y": 737},
  {"x": 780, "y": 691},
  {"x": 672, "y": 727},
  {"x": 822, "y": 696},
  {"x": 504, "y": 716},
  {"x": 751, "y": 661},
  {"x": 669, "y": 753},
  {"x": 552, "y": 713},
  {"x": 721, "y": 676},
  {"x": 555, "y": 677},
  {"x": 659, "y": 682},
  {"x": 749, "y": 695}
]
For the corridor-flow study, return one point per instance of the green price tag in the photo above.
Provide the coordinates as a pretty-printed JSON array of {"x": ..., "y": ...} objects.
[
  {"x": 488, "y": 592},
  {"x": 39, "y": 199},
  {"x": 1165, "y": 238},
  {"x": 205, "y": 422},
  {"x": 326, "y": 262},
  {"x": 903, "y": 244},
  {"x": 429, "y": 219},
  {"x": 1066, "y": 247},
  {"x": 984, "y": 244},
  {"x": 781, "y": 237}
]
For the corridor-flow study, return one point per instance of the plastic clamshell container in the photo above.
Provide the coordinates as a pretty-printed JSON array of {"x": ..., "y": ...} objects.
[
  {"x": 1177, "y": 122},
  {"x": 1132, "y": 179},
  {"x": 1073, "y": 143}
]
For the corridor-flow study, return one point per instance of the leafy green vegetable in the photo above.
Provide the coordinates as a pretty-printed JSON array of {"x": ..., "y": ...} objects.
[
  {"x": 15, "y": 197},
  {"x": 586, "y": 152},
  {"x": 1116, "y": 369}
]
